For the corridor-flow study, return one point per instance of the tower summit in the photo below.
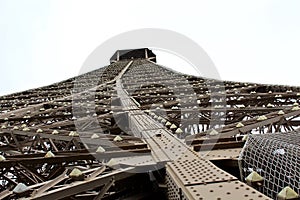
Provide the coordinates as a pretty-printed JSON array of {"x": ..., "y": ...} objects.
[{"x": 130, "y": 54}]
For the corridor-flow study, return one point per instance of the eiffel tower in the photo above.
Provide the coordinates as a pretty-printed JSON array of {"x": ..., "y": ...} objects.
[{"x": 137, "y": 130}]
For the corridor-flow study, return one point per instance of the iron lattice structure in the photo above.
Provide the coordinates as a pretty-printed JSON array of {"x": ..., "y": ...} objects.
[{"x": 66, "y": 139}]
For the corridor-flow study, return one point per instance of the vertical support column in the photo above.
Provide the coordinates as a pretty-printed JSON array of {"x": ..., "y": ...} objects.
[
  {"x": 146, "y": 54},
  {"x": 118, "y": 55}
]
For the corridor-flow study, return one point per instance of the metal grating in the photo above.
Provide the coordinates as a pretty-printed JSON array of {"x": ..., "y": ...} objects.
[{"x": 276, "y": 157}]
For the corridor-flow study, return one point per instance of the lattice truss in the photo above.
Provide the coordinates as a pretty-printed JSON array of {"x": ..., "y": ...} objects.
[
  {"x": 39, "y": 139},
  {"x": 36, "y": 122},
  {"x": 154, "y": 87},
  {"x": 226, "y": 113}
]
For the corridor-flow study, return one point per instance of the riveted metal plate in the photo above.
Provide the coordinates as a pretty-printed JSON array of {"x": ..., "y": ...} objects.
[
  {"x": 224, "y": 191},
  {"x": 198, "y": 171}
]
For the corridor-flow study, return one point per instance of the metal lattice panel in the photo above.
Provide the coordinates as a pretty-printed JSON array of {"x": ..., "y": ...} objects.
[{"x": 276, "y": 157}]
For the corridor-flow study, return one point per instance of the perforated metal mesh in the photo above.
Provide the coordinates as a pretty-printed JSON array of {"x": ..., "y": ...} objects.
[
  {"x": 174, "y": 192},
  {"x": 276, "y": 157}
]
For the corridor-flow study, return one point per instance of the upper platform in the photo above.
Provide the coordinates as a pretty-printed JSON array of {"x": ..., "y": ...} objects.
[{"x": 129, "y": 54}]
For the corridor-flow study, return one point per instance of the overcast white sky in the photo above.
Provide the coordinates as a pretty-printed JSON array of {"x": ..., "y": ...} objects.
[{"x": 42, "y": 42}]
